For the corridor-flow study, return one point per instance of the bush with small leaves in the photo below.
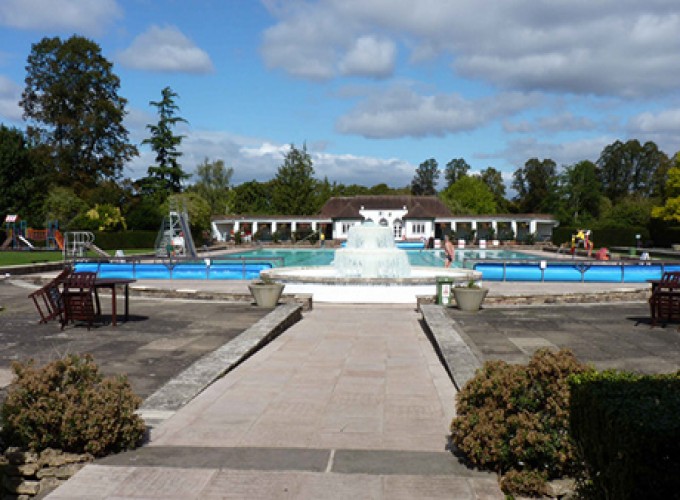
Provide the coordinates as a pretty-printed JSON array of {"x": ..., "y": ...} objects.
[
  {"x": 516, "y": 417},
  {"x": 68, "y": 405}
]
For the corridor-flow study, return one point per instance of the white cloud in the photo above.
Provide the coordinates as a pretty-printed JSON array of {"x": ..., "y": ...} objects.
[
  {"x": 166, "y": 50},
  {"x": 400, "y": 112},
  {"x": 663, "y": 128},
  {"x": 254, "y": 158},
  {"x": 563, "y": 153},
  {"x": 561, "y": 122},
  {"x": 369, "y": 56},
  {"x": 667, "y": 120},
  {"x": 610, "y": 47},
  {"x": 10, "y": 94},
  {"x": 89, "y": 17}
]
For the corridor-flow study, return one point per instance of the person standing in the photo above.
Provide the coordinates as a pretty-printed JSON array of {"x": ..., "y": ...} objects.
[{"x": 449, "y": 251}]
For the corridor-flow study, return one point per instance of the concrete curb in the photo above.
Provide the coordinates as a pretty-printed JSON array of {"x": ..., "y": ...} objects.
[
  {"x": 456, "y": 356},
  {"x": 192, "y": 381}
]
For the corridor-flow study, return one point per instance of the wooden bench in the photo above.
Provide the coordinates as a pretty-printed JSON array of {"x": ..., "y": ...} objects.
[{"x": 664, "y": 304}]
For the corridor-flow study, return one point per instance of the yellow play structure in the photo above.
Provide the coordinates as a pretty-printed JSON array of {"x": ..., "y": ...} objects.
[{"x": 582, "y": 238}]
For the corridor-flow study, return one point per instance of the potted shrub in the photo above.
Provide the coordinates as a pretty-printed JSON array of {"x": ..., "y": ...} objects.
[
  {"x": 470, "y": 296},
  {"x": 266, "y": 291}
]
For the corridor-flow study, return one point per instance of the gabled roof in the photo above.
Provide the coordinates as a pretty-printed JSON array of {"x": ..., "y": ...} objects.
[{"x": 348, "y": 207}]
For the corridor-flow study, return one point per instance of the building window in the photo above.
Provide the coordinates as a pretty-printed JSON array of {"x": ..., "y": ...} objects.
[
  {"x": 418, "y": 228},
  {"x": 346, "y": 226}
]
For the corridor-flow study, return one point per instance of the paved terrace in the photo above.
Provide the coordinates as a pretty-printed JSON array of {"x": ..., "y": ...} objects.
[{"x": 350, "y": 401}]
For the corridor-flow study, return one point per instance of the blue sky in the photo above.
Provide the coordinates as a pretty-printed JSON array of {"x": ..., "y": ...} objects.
[{"x": 375, "y": 87}]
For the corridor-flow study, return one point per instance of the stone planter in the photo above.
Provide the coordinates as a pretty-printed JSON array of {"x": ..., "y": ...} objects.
[
  {"x": 266, "y": 294},
  {"x": 469, "y": 298}
]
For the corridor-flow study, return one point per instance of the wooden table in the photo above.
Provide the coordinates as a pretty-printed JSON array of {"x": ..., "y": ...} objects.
[{"x": 111, "y": 283}]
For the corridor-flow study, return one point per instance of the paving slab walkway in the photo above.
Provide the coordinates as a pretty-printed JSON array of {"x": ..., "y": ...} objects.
[{"x": 350, "y": 402}]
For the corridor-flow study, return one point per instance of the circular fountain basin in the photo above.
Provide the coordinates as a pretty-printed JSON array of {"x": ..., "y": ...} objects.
[{"x": 326, "y": 285}]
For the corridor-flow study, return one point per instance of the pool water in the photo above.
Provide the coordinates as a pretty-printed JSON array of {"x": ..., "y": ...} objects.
[{"x": 324, "y": 256}]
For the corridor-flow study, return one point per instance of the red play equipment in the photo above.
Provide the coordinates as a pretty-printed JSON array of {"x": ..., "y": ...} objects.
[{"x": 18, "y": 235}]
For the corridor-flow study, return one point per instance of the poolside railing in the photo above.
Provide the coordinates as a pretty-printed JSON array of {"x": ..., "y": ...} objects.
[{"x": 543, "y": 270}]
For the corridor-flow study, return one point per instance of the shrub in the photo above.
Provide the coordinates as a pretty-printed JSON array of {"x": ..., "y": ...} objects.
[
  {"x": 516, "y": 417},
  {"x": 526, "y": 482},
  {"x": 68, "y": 405}
]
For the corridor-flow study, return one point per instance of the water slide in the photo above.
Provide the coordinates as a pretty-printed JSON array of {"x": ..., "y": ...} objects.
[
  {"x": 26, "y": 242},
  {"x": 98, "y": 251},
  {"x": 188, "y": 240}
]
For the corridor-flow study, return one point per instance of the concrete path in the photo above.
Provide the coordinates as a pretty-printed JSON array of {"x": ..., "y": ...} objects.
[{"x": 351, "y": 402}]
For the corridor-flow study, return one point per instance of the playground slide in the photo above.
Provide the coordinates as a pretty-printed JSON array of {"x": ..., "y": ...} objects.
[
  {"x": 59, "y": 238},
  {"x": 26, "y": 242},
  {"x": 6, "y": 243}
]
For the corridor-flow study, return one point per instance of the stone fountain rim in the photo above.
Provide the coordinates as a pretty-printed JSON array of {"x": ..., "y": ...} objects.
[{"x": 297, "y": 275}]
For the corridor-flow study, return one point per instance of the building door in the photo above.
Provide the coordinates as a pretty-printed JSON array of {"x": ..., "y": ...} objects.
[{"x": 397, "y": 229}]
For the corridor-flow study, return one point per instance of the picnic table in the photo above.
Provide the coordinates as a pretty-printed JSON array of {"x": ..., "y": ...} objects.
[
  {"x": 111, "y": 284},
  {"x": 70, "y": 297}
]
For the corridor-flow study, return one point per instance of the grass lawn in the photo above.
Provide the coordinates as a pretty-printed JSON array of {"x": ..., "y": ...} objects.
[{"x": 32, "y": 257}]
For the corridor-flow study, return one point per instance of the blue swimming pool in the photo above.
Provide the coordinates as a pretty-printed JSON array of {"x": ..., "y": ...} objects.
[
  {"x": 495, "y": 265},
  {"x": 289, "y": 257}
]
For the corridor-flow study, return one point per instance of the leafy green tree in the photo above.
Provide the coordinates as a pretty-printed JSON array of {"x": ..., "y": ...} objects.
[
  {"x": 383, "y": 189},
  {"x": 144, "y": 213},
  {"x": 294, "y": 189},
  {"x": 670, "y": 210},
  {"x": 632, "y": 168},
  {"x": 581, "y": 192},
  {"x": 22, "y": 180},
  {"x": 536, "y": 186},
  {"x": 469, "y": 195},
  {"x": 253, "y": 198},
  {"x": 104, "y": 217},
  {"x": 633, "y": 210},
  {"x": 455, "y": 170},
  {"x": 197, "y": 208},
  {"x": 64, "y": 205},
  {"x": 214, "y": 184},
  {"x": 425, "y": 180},
  {"x": 494, "y": 181},
  {"x": 73, "y": 110},
  {"x": 167, "y": 174},
  {"x": 350, "y": 190}
]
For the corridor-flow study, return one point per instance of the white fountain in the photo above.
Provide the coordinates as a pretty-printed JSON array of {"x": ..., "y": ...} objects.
[
  {"x": 371, "y": 253},
  {"x": 370, "y": 269}
]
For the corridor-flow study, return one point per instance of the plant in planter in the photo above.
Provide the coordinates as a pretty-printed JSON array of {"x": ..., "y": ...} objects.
[
  {"x": 470, "y": 297},
  {"x": 266, "y": 291}
]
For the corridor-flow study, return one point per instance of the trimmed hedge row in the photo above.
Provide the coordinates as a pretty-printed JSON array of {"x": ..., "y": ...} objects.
[
  {"x": 627, "y": 429},
  {"x": 605, "y": 236},
  {"x": 125, "y": 239}
]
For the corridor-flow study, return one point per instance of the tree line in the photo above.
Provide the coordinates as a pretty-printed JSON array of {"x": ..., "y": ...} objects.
[{"x": 68, "y": 164}]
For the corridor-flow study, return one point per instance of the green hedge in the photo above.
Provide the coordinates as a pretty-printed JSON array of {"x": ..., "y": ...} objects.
[
  {"x": 125, "y": 240},
  {"x": 603, "y": 236},
  {"x": 664, "y": 234},
  {"x": 627, "y": 428}
]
